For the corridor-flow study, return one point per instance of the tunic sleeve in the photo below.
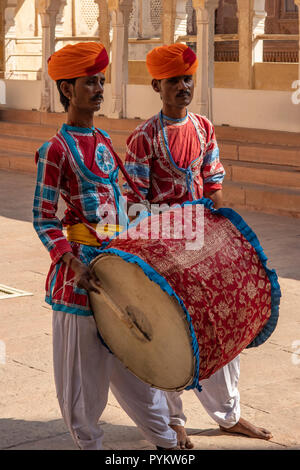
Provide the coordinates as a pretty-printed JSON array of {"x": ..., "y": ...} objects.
[
  {"x": 47, "y": 225},
  {"x": 138, "y": 164},
  {"x": 212, "y": 170}
]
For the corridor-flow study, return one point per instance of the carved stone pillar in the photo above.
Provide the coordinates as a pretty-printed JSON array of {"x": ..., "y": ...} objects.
[
  {"x": 2, "y": 41},
  {"x": 8, "y": 10},
  {"x": 297, "y": 2},
  {"x": 104, "y": 24},
  {"x": 168, "y": 19},
  {"x": 180, "y": 28},
  {"x": 48, "y": 10},
  {"x": 258, "y": 27},
  {"x": 205, "y": 14},
  {"x": 120, "y": 10},
  {"x": 244, "y": 14},
  {"x": 251, "y": 15}
]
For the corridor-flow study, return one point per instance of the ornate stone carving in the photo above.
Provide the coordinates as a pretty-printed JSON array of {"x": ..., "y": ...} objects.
[
  {"x": 104, "y": 23},
  {"x": 205, "y": 15},
  {"x": 120, "y": 11},
  {"x": 48, "y": 10}
]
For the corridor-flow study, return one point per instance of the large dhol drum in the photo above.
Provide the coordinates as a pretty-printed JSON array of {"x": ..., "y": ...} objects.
[{"x": 175, "y": 311}]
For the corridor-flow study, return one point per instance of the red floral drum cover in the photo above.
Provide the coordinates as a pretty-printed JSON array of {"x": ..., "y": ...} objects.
[{"x": 212, "y": 263}]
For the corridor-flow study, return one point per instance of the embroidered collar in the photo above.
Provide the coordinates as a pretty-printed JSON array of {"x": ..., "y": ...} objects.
[
  {"x": 82, "y": 130},
  {"x": 175, "y": 121}
]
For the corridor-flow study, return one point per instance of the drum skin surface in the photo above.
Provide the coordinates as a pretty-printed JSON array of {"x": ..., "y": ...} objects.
[{"x": 213, "y": 301}]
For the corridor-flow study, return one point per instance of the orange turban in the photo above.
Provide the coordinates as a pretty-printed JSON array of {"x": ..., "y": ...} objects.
[
  {"x": 171, "y": 61},
  {"x": 78, "y": 60}
]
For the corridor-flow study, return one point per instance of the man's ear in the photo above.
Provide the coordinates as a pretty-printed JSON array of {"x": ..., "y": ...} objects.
[
  {"x": 156, "y": 85},
  {"x": 67, "y": 89}
]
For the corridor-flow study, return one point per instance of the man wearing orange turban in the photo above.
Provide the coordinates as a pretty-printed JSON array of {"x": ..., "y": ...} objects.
[
  {"x": 78, "y": 60},
  {"x": 173, "y": 157},
  {"x": 171, "y": 61},
  {"x": 79, "y": 164}
]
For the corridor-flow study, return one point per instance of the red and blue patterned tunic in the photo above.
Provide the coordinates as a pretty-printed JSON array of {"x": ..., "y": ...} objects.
[
  {"x": 172, "y": 161},
  {"x": 78, "y": 164}
]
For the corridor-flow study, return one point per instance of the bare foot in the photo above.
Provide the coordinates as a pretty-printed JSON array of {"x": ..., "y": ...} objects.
[
  {"x": 183, "y": 441},
  {"x": 248, "y": 429}
]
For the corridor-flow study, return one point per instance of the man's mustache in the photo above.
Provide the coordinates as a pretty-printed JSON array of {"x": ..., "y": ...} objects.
[
  {"x": 183, "y": 93},
  {"x": 98, "y": 97}
]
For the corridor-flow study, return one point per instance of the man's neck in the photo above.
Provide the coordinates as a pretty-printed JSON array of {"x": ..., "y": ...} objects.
[
  {"x": 80, "y": 120},
  {"x": 173, "y": 112}
]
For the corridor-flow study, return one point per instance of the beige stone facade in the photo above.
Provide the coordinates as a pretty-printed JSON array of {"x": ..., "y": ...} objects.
[{"x": 30, "y": 30}]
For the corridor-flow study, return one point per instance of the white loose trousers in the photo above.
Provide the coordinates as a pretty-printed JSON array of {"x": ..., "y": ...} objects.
[
  {"x": 219, "y": 397},
  {"x": 84, "y": 370}
]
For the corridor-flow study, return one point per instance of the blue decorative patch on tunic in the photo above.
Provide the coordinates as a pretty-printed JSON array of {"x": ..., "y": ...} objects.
[{"x": 104, "y": 159}]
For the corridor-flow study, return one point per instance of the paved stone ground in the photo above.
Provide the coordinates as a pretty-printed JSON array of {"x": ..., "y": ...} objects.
[{"x": 29, "y": 415}]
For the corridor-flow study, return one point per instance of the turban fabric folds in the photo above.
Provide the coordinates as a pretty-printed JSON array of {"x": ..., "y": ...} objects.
[
  {"x": 171, "y": 61},
  {"x": 78, "y": 60}
]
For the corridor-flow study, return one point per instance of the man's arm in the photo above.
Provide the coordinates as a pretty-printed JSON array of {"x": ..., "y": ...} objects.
[
  {"x": 212, "y": 171},
  {"x": 137, "y": 164},
  {"x": 47, "y": 224}
]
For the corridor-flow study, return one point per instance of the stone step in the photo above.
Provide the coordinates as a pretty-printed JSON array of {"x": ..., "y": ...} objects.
[
  {"x": 263, "y": 167},
  {"x": 29, "y": 137},
  {"x": 16, "y": 161},
  {"x": 45, "y": 132},
  {"x": 254, "y": 197},
  {"x": 57, "y": 119},
  {"x": 238, "y": 195},
  {"x": 266, "y": 174},
  {"x": 27, "y": 130},
  {"x": 256, "y": 153},
  {"x": 223, "y": 133},
  {"x": 248, "y": 145},
  {"x": 258, "y": 136},
  {"x": 20, "y": 144}
]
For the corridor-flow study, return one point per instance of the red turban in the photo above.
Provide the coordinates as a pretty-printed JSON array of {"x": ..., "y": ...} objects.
[
  {"x": 78, "y": 60},
  {"x": 171, "y": 61}
]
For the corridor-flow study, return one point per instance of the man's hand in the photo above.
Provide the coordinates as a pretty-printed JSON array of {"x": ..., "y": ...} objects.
[
  {"x": 85, "y": 278},
  {"x": 216, "y": 197}
]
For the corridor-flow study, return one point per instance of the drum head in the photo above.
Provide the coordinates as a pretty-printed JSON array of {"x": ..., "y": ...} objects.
[{"x": 162, "y": 354}]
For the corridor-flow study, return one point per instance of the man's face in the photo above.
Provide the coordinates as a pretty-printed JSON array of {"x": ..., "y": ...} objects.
[
  {"x": 176, "y": 91},
  {"x": 87, "y": 92}
]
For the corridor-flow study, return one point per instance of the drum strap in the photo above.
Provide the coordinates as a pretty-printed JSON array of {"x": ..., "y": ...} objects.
[{"x": 124, "y": 171}]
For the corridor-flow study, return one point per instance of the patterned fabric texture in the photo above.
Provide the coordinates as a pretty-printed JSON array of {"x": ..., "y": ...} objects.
[
  {"x": 225, "y": 286},
  {"x": 193, "y": 165},
  {"x": 79, "y": 165}
]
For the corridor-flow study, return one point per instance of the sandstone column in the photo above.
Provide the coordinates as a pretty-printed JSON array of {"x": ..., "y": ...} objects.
[
  {"x": 168, "y": 18},
  {"x": 7, "y": 33},
  {"x": 48, "y": 10},
  {"x": 104, "y": 24},
  {"x": 297, "y": 2},
  {"x": 258, "y": 25},
  {"x": 120, "y": 10},
  {"x": 2, "y": 40},
  {"x": 205, "y": 15},
  {"x": 251, "y": 15},
  {"x": 180, "y": 19},
  {"x": 245, "y": 43}
]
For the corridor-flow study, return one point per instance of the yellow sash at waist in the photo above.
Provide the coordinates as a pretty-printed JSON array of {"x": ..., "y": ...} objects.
[{"x": 79, "y": 233}]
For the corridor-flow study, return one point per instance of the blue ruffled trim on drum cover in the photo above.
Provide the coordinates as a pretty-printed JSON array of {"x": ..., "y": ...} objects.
[
  {"x": 165, "y": 286},
  {"x": 248, "y": 233}
]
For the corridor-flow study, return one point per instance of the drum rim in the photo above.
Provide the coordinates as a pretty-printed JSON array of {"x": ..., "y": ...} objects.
[{"x": 154, "y": 276}]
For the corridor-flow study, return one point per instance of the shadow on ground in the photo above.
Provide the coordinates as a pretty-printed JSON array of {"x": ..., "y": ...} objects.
[{"x": 16, "y": 434}]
